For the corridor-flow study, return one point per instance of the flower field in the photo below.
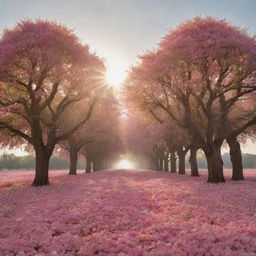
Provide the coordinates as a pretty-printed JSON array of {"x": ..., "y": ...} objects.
[{"x": 135, "y": 213}]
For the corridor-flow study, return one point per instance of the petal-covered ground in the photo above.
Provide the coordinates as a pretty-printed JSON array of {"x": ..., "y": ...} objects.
[{"x": 127, "y": 213}]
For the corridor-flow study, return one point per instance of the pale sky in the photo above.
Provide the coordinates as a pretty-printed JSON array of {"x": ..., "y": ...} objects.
[{"x": 119, "y": 30}]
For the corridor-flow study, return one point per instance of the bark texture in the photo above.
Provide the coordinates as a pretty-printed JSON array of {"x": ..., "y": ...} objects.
[
  {"x": 173, "y": 162},
  {"x": 166, "y": 164},
  {"x": 42, "y": 168},
  {"x": 182, "y": 154},
  {"x": 88, "y": 166},
  {"x": 193, "y": 162},
  {"x": 236, "y": 158},
  {"x": 215, "y": 164},
  {"x": 73, "y": 162}
]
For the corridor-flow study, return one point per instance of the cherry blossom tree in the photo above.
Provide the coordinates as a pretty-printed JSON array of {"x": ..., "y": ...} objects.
[
  {"x": 198, "y": 75},
  {"x": 166, "y": 137},
  {"x": 103, "y": 132},
  {"x": 142, "y": 137},
  {"x": 44, "y": 70},
  {"x": 75, "y": 141}
]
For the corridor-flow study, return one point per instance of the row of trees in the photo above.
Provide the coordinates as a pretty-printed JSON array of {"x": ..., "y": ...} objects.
[
  {"x": 98, "y": 140},
  {"x": 12, "y": 162},
  {"x": 53, "y": 93},
  {"x": 196, "y": 91}
]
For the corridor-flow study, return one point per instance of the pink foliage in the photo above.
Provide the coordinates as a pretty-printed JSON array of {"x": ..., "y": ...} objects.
[
  {"x": 201, "y": 38},
  {"x": 130, "y": 213},
  {"x": 44, "y": 64}
]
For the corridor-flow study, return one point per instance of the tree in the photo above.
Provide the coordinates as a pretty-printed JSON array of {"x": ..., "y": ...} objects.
[
  {"x": 241, "y": 114},
  {"x": 103, "y": 133},
  {"x": 44, "y": 70},
  {"x": 74, "y": 141},
  {"x": 142, "y": 137},
  {"x": 166, "y": 138},
  {"x": 193, "y": 160},
  {"x": 203, "y": 68},
  {"x": 94, "y": 130}
]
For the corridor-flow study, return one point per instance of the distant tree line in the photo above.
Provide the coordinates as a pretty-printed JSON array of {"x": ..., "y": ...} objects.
[
  {"x": 11, "y": 162},
  {"x": 249, "y": 161}
]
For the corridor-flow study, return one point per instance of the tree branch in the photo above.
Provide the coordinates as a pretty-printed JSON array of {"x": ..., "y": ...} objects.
[
  {"x": 4, "y": 125},
  {"x": 76, "y": 127}
]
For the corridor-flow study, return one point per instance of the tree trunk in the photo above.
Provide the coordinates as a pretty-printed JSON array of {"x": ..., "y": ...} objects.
[
  {"x": 88, "y": 165},
  {"x": 73, "y": 162},
  {"x": 215, "y": 164},
  {"x": 42, "y": 168},
  {"x": 96, "y": 165},
  {"x": 181, "y": 155},
  {"x": 193, "y": 161},
  {"x": 151, "y": 163},
  {"x": 166, "y": 164},
  {"x": 160, "y": 163},
  {"x": 156, "y": 161},
  {"x": 236, "y": 158},
  {"x": 173, "y": 162}
]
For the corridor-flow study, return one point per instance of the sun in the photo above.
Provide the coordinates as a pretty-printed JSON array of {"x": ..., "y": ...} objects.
[
  {"x": 124, "y": 164},
  {"x": 115, "y": 74}
]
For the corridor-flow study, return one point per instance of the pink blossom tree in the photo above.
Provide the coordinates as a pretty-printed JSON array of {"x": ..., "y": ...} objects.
[
  {"x": 149, "y": 132},
  {"x": 138, "y": 139},
  {"x": 45, "y": 70},
  {"x": 103, "y": 132},
  {"x": 198, "y": 75}
]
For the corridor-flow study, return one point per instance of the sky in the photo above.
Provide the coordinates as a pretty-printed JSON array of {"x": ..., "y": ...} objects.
[{"x": 120, "y": 30}]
